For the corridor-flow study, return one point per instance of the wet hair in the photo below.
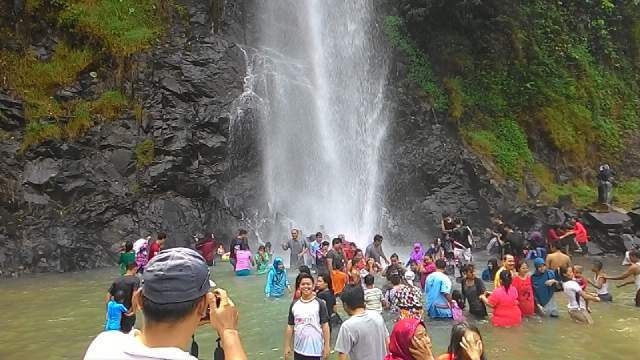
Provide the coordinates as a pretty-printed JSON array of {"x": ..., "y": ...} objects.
[
  {"x": 441, "y": 264},
  {"x": 506, "y": 279},
  {"x": 394, "y": 255},
  {"x": 304, "y": 269},
  {"x": 520, "y": 263},
  {"x": 162, "y": 236},
  {"x": 242, "y": 232},
  {"x": 261, "y": 247},
  {"x": 457, "y": 296},
  {"x": 395, "y": 279},
  {"x": 318, "y": 234},
  {"x": 353, "y": 297},
  {"x": 325, "y": 243},
  {"x": 336, "y": 241},
  {"x": 327, "y": 279},
  {"x": 635, "y": 253},
  {"x": 563, "y": 273},
  {"x": 168, "y": 313},
  {"x": 457, "y": 333},
  {"x": 267, "y": 244},
  {"x": 244, "y": 246},
  {"x": 412, "y": 262},
  {"x": 508, "y": 226},
  {"x": 597, "y": 264},
  {"x": 132, "y": 265},
  {"x": 119, "y": 296},
  {"x": 578, "y": 269},
  {"x": 358, "y": 251},
  {"x": 494, "y": 262},
  {"x": 369, "y": 279},
  {"x": 128, "y": 246},
  {"x": 377, "y": 237},
  {"x": 505, "y": 256},
  {"x": 458, "y": 221},
  {"x": 466, "y": 268}
]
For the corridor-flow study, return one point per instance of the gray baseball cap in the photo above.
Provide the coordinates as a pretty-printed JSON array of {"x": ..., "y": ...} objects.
[{"x": 175, "y": 275}]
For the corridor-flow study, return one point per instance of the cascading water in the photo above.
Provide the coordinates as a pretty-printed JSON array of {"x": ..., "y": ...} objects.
[{"x": 325, "y": 72}]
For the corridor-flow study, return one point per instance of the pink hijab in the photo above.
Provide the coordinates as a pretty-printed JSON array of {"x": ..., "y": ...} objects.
[{"x": 400, "y": 339}]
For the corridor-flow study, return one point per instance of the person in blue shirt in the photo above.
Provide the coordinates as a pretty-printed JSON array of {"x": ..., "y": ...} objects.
[
  {"x": 544, "y": 283},
  {"x": 277, "y": 280},
  {"x": 115, "y": 309}
]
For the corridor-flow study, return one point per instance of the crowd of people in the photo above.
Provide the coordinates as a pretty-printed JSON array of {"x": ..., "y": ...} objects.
[{"x": 438, "y": 281}]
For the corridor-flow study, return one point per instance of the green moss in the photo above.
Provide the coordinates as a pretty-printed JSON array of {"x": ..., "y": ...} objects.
[
  {"x": 145, "y": 153},
  {"x": 627, "y": 194},
  {"x": 420, "y": 69},
  {"x": 123, "y": 26},
  {"x": 110, "y": 104},
  {"x": 456, "y": 105}
]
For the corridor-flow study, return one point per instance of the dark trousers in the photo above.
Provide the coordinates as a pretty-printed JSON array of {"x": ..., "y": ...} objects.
[
  {"x": 126, "y": 323},
  {"x": 297, "y": 356},
  {"x": 638, "y": 298}
]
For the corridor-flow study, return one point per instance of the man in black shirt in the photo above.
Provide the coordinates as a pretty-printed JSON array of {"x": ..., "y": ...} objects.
[{"x": 128, "y": 284}]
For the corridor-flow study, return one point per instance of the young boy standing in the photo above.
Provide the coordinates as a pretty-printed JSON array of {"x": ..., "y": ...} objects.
[
  {"x": 308, "y": 325},
  {"x": 373, "y": 297}
]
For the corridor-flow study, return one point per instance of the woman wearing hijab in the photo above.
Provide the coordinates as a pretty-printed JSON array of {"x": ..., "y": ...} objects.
[
  {"x": 417, "y": 254},
  {"x": 409, "y": 340},
  {"x": 277, "y": 279}
]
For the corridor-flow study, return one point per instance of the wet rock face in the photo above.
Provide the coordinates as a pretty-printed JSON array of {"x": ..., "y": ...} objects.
[
  {"x": 69, "y": 206},
  {"x": 428, "y": 171}
]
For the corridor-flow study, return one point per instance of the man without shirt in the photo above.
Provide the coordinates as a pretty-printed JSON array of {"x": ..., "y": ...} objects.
[{"x": 557, "y": 259}]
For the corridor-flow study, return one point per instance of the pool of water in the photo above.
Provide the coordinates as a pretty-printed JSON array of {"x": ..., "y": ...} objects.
[{"x": 55, "y": 316}]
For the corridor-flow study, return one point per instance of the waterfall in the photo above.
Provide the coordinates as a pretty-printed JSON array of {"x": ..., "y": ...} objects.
[{"x": 324, "y": 73}]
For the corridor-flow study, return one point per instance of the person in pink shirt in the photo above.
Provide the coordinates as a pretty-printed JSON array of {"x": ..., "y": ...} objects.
[
  {"x": 504, "y": 302},
  {"x": 244, "y": 261},
  {"x": 522, "y": 283}
]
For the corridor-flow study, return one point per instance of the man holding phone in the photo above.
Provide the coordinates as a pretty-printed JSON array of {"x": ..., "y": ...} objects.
[{"x": 174, "y": 298}]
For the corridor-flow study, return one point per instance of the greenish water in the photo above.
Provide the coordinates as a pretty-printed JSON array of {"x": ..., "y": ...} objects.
[{"x": 55, "y": 316}]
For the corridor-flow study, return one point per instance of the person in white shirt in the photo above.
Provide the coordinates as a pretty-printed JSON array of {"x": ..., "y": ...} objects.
[
  {"x": 576, "y": 296},
  {"x": 175, "y": 299}
]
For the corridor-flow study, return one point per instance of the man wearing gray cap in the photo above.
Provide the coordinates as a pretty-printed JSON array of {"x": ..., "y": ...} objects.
[{"x": 174, "y": 298}]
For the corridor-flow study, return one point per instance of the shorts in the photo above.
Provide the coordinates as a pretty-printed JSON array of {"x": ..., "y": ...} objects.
[
  {"x": 605, "y": 297},
  {"x": 126, "y": 323},
  {"x": 581, "y": 315},
  {"x": 245, "y": 272},
  {"x": 297, "y": 356},
  {"x": 638, "y": 298}
]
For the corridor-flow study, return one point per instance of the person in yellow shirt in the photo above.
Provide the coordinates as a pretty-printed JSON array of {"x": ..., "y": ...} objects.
[{"x": 508, "y": 263}]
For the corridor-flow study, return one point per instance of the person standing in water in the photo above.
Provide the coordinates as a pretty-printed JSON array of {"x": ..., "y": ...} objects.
[
  {"x": 472, "y": 289},
  {"x": 364, "y": 335},
  {"x": 308, "y": 325},
  {"x": 438, "y": 289},
  {"x": 576, "y": 297},
  {"x": 522, "y": 283},
  {"x": 277, "y": 280},
  {"x": 298, "y": 248},
  {"x": 557, "y": 259},
  {"x": 544, "y": 284},
  {"x": 600, "y": 282},
  {"x": 261, "y": 260},
  {"x": 375, "y": 251},
  {"x": 508, "y": 264},
  {"x": 632, "y": 271},
  {"x": 504, "y": 302}
]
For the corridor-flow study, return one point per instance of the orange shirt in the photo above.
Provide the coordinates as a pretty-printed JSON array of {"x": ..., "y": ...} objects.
[{"x": 338, "y": 280}]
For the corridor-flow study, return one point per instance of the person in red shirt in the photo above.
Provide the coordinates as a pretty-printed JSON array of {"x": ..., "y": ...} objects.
[
  {"x": 158, "y": 245},
  {"x": 205, "y": 247},
  {"x": 582, "y": 238}
]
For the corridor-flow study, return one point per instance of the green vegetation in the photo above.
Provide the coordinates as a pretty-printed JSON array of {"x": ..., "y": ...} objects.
[
  {"x": 145, "y": 153},
  {"x": 419, "y": 67},
  {"x": 558, "y": 75}
]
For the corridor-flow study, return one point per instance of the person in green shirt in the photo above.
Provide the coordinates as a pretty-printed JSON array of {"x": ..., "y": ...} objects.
[
  {"x": 262, "y": 259},
  {"x": 127, "y": 257}
]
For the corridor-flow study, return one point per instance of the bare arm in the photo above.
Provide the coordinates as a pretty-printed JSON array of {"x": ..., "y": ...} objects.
[
  {"x": 107, "y": 298},
  {"x": 630, "y": 271},
  {"x": 230, "y": 341},
  {"x": 327, "y": 340},
  {"x": 342, "y": 356},
  {"x": 588, "y": 296},
  {"x": 330, "y": 264},
  {"x": 287, "y": 341}
]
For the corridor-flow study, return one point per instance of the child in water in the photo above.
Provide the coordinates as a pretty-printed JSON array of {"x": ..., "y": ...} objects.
[
  {"x": 262, "y": 260},
  {"x": 115, "y": 309},
  {"x": 581, "y": 280},
  {"x": 600, "y": 282},
  {"x": 277, "y": 280}
]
